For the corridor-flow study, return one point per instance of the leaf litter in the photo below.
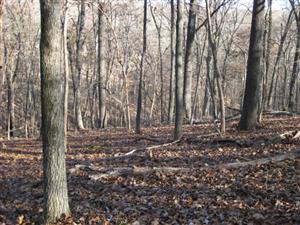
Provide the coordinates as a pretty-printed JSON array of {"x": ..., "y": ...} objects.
[{"x": 253, "y": 194}]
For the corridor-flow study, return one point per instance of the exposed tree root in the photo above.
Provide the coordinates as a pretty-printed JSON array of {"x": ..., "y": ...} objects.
[{"x": 123, "y": 171}]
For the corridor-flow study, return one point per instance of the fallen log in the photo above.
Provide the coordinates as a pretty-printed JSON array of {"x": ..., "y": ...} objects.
[
  {"x": 278, "y": 158},
  {"x": 123, "y": 171},
  {"x": 280, "y": 113},
  {"x": 133, "y": 152},
  {"x": 289, "y": 136}
]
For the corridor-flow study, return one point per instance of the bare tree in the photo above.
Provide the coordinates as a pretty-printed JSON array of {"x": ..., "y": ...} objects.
[
  {"x": 53, "y": 132},
  {"x": 77, "y": 77},
  {"x": 179, "y": 72},
  {"x": 142, "y": 71},
  {"x": 101, "y": 65},
  {"x": 172, "y": 72},
  {"x": 278, "y": 56},
  {"x": 252, "y": 94},
  {"x": 295, "y": 72},
  {"x": 212, "y": 44},
  {"x": 66, "y": 63},
  {"x": 188, "y": 70}
]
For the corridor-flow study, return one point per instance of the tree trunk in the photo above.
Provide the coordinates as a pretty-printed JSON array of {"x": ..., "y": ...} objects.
[
  {"x": 267, "y": 52},
  {"x": 53, "y": 132},
  {"x": 160, "y": 56},
  {"x": 142, "y": 71},
  {"x": 295, "y": 72},
  {"x": 200, "y": 56},
  {"x": 213, "y": 47},
  {"x": 179, "y": 72},
  {"x": 2, "y": 66},
  {"x": 101, "y": 66},
  {"x": 172, "y": 74},
  {"x": 249, "y": 118},
  {"x": 208, "y": 89},
  {"x": 11, "y": 92},
  {"x": 188, "y": 70},
  {"x": 77, "y": 86},
  {"x": 278, "y": 56},
  {"x": 66, "y": 64},
  {"x": 10, "y": 106}
]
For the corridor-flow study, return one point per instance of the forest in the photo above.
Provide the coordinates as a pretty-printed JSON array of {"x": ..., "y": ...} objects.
[{"x": 149, "y": 112}]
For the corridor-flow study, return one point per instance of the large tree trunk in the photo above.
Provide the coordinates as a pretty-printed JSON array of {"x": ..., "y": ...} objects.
[
  {"x": 188, "y": 69},
  {"x": 77, "y": 83},
  {"x": 101, "y": 66},
  {"x": 249, "y": 117},
  {"x": 53, "y": 132},
  {"x": 179, "y": 72},
  {"x": 142, "y": 71},
  {"x": 172, "y": 74}
]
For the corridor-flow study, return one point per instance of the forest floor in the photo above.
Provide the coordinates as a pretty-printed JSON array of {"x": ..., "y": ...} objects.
[{"x": 189, "y": 182}]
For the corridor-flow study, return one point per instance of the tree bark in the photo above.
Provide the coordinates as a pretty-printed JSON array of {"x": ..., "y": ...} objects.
[
  {"x": 179, "y": 72},
  {"x": 188, "y": 70},
  {"x": 77, "y": 83},
  {"x": 101, "y": 66},
  {"x": 295, "y": 71},
  {"x": 212, "y": 44},
  {"x": 66, "y": 64},
  {"x": 2, "y": 66},
  {"x": 172, "y": 74},
  {"x": 53, "y": 132},
  {"x": 249, "y": 118},
  {"x": 142, "y": 71}
]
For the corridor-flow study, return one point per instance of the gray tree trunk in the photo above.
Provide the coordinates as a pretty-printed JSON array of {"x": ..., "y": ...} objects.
[
  {"x": 295, "y": 71},
  {"x": 11, "y": 92},
  {"x": 278, "y": 56},
  {"x": 66, "y": 63},
  {"x": 160, "y": 54},
  {"x": 188, "y": 66},
  {"x": 179, "y": 72},
  {"x": 101, "y": 66},
  {"x": 142, "y": 71},
  {"x": 267, "y": 44},
  {"x": 172, "y": 74},
  {"x": 53, "y": 132},
  {"x": 252, "y": 94},
  {"x": 10, "y": 106},
  {"x": 77, "y": 83},
  {"x": 213, "y": 47}
]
